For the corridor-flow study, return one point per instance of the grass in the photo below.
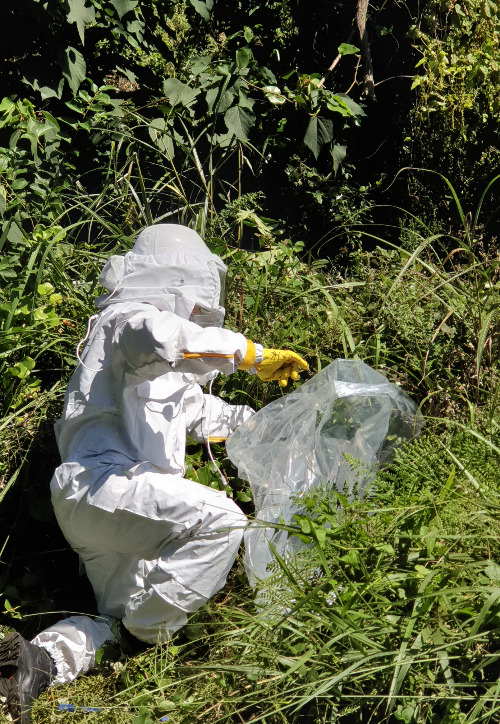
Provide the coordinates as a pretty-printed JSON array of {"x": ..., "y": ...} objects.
[{"x": 391, "y": 613}]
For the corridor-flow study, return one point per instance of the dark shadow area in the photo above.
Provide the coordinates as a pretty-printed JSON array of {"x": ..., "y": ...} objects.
[{"x": 39, "y": 573}]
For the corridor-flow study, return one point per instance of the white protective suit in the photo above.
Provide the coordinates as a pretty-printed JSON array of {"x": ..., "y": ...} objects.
[{"x": 155, "y": 545}]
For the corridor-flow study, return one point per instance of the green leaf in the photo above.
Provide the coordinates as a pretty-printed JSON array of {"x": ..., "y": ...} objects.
[
  {"x": 203, "y": 8},
  {"x": 338, "y": 155},
  {"x": 7, "y": 106},
  {"x": 15, "y": 235},
  {"x": 123, "y": 7},
  {"x": 481, "y": 340},
  {"x": 273, "y": 95},
  {"x": 243, "y": 57},
  {"x": 179, "y": 93},
  {"x": 245, "y": 101},
  {"x": 492, "y": 570},
  {"x": 23, "y": 368},
  {"x": 351, "y": 559},
  {"x": 354, "y": 108},
  {"x": 49, "y": 118},
  {"x": 239, "y": 122},
  {"x": 159, "y": 135},
  {"x": 142, "y": 718},
  {"x": 81, "y": 15},
  {"x": 11, "y": 610},
  {"x": 419, "y": 80},
  {"x": 248, "y": 34},
  {"x": 44, "y": 289},
  {"x": 347, "y": 49},
  {"x": 73, "y": 67},
  {"x": 225, "y": 100},
  {"x": 319, "y": 131},
  {"x": 200, "y": 63},
  {"x": 136, "y": 28},
  {"x": 20, "y": 183},
  {"x": 42, "y": 80}
]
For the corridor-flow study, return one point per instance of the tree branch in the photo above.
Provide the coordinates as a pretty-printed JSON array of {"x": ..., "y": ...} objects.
[
  {"x": 335, "y": 63},
  {"x": 368, "y": 83}
]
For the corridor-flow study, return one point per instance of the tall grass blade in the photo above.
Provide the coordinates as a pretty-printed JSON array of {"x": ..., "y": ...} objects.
[
  {"x": 481, "y": 201},
  {"x": 400, "y": 667},
  {"x": 481, "y": 339}
]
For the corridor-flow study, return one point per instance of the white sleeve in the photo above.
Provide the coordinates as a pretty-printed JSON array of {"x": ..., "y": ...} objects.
[
  {"x": 217, "y": 419},
  {"x": 152, "y": 342}
]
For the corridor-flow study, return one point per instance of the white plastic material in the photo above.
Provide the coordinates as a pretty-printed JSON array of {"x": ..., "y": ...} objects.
[{"x": 301, "y": 440}]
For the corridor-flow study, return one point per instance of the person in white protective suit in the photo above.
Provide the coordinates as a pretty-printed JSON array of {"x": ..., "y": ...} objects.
[{"x": 155, "y": 545}]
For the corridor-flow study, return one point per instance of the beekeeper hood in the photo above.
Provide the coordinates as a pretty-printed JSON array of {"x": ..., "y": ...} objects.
[{"x": 171, "y": 267}]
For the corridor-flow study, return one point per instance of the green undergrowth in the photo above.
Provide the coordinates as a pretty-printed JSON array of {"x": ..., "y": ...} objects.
[{"x": 390, "y": 612}]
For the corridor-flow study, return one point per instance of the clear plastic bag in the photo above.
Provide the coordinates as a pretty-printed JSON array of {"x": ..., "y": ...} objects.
[{"x": 301, "y": 440}]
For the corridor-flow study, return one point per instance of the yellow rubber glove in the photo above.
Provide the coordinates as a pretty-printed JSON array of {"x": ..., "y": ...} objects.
[{"x": 280, "y": 364}]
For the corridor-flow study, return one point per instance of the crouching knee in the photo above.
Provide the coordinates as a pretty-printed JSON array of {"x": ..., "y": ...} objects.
[{"x": 231, "y": 520}]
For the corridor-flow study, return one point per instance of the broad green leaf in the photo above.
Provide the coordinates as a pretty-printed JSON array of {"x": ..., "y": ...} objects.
[
  {"x": 319, "y": 131},
  {"x": 248, "y": 34},
  {"x": 81, "y": 15},
  {"x": 419, "y": 80},
  {"x": 338, "y": 155},
  {"x": 245, "y": 101},
  {"x": 223, "y": 140},
  {"x": 39, "y": 315},
  {"x": 203, "y": 7},
  {"x": 163, "y": 140},
  {"x": 351, "y": 558},
  {"x": 42, "y": 81},
  {"x": 23, "y": 368},
  {"x": 200, "y": 63},
  {"x": 179, "y": 93},
  {"x": 492, "y": 570},
  {"x": 7, "y": 106},
  {"x": 239, "y": 122},
  {"x": 20, "y": 183},
  {"x": 337, "y": 108},
  {"x": 45, "y": 288},
  {"x": 347, "y": 49},
  {"x": 225, "y": 100},
  {"x": 49, "y": 118},
  {"x": 73, "y": 67},
  {"x": 123, "y": 7},
  {"x": 136, "y": 28},
  {"x": 348, "y": 103},
  {"x": 15, "y": 235},
  {"x": 243, "y": 57},
  {"x": 273, "y": 95}
]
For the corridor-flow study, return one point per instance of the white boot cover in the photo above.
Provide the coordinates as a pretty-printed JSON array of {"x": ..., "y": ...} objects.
[{"x": 72, "y": 643}]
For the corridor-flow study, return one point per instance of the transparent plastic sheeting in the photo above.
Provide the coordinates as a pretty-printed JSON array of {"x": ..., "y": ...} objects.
[{"x": 300, "y": 441}]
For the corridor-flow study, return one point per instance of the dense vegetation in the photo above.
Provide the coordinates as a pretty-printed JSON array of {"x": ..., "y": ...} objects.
[{"x": 224, "y": 116}]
